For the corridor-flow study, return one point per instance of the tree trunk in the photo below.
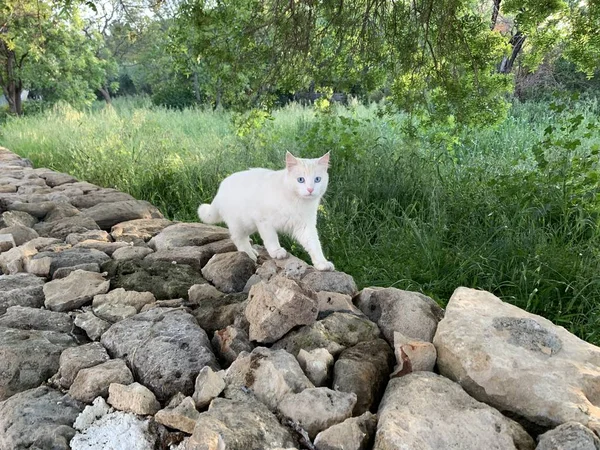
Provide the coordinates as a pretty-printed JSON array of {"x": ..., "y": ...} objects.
[
  {"x": 197, "y": 87},
  {"x": 106, "y": 95},
  {"x": 495, "y": 11},
  {"x": 517, "y": 42}
]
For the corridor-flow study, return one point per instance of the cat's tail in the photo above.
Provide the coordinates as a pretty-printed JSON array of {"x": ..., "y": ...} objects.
[{"x": 209, "y": 214}]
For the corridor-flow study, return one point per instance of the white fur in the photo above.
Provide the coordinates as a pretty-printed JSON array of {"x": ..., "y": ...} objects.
[{"x": 272, "y": 202}]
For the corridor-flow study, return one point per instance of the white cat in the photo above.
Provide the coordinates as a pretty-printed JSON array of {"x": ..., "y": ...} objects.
[{"x": 272, "y": 202}]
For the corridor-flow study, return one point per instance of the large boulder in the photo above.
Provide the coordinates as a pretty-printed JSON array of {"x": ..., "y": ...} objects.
[
  {"x": 26, "y": 318},
  {"x": 426, "y": 411},
  {"x": 413, "y": 314},
  {"x": 164, "y": 347},
  {"x": 338, "y": 282},
  {"x": 39, "y": 418},
  {"x": 518, "y": 362},
  {"x": 229, "y": 272}
]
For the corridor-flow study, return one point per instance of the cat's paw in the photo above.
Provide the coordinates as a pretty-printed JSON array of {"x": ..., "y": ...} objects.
[
  {"x": 279, "y": 253},
  {"x": 253, "y": 254},
  {"x": 325, "y": 266}
]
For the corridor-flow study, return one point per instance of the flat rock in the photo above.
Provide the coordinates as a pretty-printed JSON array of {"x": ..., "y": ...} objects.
[
  {"x": 40, "y": 418},
  {"x": 54, "y": 179},
  {"x": 119, "y": 304},
  {"x": 219, "y": 313},
  {"x": 93, "y": 326},
  {"x": 106, "y": 247},
  {"x": 95, "y": 197},
  {"x": 14, "y": 218},
  {"x": 94, "y": 381},
  {"x": 423, "y": 411},
  {"x": 413, "y": 314},
  {"x": 37, "y": 210},
  {"x": 181, "y": 416},
  {"x": 334, "y": 301},
  {"x": 316, "y": 409},
  {"x": 187, "y": 234},
  {"x": 316, "y": 364},
  {"x": 129, "y": 253},
  {"x": 334, "y": 333},
  {"x": 57, "y": 212},
  {"x": 413, "y": 355},
  {"x": 339, "y": 282},
  {"x": 355, "y": 433},
  {"x": 26, "y": 318},
  {"x": 73, "y": 359},
  {"x": 269, "y": 374},
  {"x": 164, "y": 347},
  {"x": 518, "y": 362},
  {"x": 20, "y": 233},
  {"x": 229, "y": 342},
  {"x": 61, "y": 228},
  {"x": 74, "y": 291},
  {"x": 138, "y": 230},
  {"x": 135, "y": 398},
  {"x": 21, "y": 290},
  {"x": 94, "y": 235},
  {"x": 72, "y": 257},
  {"x": 166, "y": 281},
  {"x": 364, "y": 369},
  {"x": 229, "y": 272},
  {"x": 278, "y": 305},
  {"x": 28, "y": 358},
  {"x": 239, "y": 425},
  {"x": 121, "y": 211},
  {"x": 64, "y": 272},
  {"x": 197, "y": 257},
  {"x": 568, "y": 436}
]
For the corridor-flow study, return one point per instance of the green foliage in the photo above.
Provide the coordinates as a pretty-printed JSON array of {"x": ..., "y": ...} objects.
[{"x": 174, "y": 94}]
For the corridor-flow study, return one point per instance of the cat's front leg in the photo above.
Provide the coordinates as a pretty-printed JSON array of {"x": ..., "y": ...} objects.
[
  {"x": 271, "y": 240},
  {"x": 309, "y": 239}
]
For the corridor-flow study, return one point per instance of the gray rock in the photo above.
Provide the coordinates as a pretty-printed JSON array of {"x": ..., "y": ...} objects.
[
  {"x": 229, "y": 272},
  {"x": 20, "y": 233},
  {"x": 410, "y": 313},
  {"x": 39, "y": 418},
  {"x": 64, "y": 272},
  {"x": 129, "y": 253},
  {"x": 238, "y": 425},
  {"x": 135, "y": 398},
  {"x": 94, "y": 235},
  {"x": 37, "y": 210},
  {"x": 164, "y": 347},
  {"x": 74, "y": 291},
  {"x": 200, "y": 293},
  {"x": 28, "y": 358},
  {"x": 229, "y": 342},
  {"x": 106, "y": 247},
  {"x": 187, "y": 234},
  {"x": 316, "y": 409},
  {"x": 119, "y": 304},
  {"x": 13, "y": 260},
  {"x": 59, "y": 211},
  {"x": 278, "y": 305},
  {"x": 108, "y": 215},
  {"x": 14, "y": 218},
  {"x": 94, "y": 381},
  {"x": 216, "y": 314},
  {"x": 61, "y": 228},
  {"x": 181, "y": 416},
  {"x": 269, "y": 374},
  {"x": 93, "y": 326},
  {"x": 518, "y": 362},
  {"x": 73, "y": 257},
  {"x": 73, "y": 359},
  {"x": 138, "y": 230},
  {"x": 355, "y": 433},
  {"x": 98, "y": 196},
  {"x": 331, "y": 282},
  {"x": 413, "y": 355},
  {"x": 569, "y": 436},
  {"x": 20, "y": 290},
  {"x": 334, "y": 301},
  {"x": 364, "y": 369},
  {"x": 316, "y": 364},
  {"x": 334, "y": 333},
  {"x": 7, "y": 241},
  {"x": 197, "y": 257},
  {"x": 424, "y": 411},
  {"x": 26, "y": 318},
  {"x": 208, "y": 386},
  {"x": 166, "y": 281},
  {"x": 54, "y": 179}
]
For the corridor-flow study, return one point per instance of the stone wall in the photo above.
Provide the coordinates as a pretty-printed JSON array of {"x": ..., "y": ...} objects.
[{"x": 121, "y": 329}]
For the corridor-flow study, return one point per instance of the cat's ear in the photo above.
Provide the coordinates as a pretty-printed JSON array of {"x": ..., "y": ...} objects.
[
  {"x": 324, "y": 160},
  {"x": 290, "y": 160}
]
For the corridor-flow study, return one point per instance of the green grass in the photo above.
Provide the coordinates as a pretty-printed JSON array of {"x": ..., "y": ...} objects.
[{"x": 420, "y": 210}]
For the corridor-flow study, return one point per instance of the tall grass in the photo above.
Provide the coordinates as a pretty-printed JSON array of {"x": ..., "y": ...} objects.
[{"x": 425, "y": 210}]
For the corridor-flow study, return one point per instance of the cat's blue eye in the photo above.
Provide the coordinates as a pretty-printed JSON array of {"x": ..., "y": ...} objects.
[
  {"x": 300, "y": 179},
  {"x": 317, "y": 179}
]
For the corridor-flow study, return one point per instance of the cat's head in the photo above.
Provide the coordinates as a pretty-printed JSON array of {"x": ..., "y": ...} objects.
[{"x": 307, "y": 178}]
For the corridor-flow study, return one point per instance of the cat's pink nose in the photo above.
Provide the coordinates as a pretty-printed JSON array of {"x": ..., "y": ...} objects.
[{"x": 310, "y": 190}]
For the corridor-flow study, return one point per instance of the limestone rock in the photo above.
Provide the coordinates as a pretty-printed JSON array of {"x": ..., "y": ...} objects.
[
  {"x": 73, "y": 257},
  {"x": 410, "y": 313},
  {"x": 74, "y": 291},
  {"x": 39, "y": 418},
  {"x": 413, "y": 355},
  {"x": 569, "y": 436},
  {"x": 14, "y": 218},
  {"x": 122, "y": 211},
  {"x": 6, "y": 242},
  {"x": 129, "y": 253},
  {"x": 269, "y": 374},
  {"x": 94, "y": 381},
  {"x": 94, "y": 235},
  {"x": 334, "y": 333},
  {"x": 97, "y": 196},
  {"x": 200, "y": 293},
  {"x": 138, "y": 230},
  {"x": 37, "y": 210},
  {"x": 106, "y": 247},
  {"x": 339, "y": 282},
  {"x": 316, "y": 364},
  {"x": 135, "y": 398},
  {"x": 119, "y": 304},
  {"x": 196, "y": 257},
  {"x": 229, "y": 272},
  {"x": 13, "y": 261},
  {"x": 277, "y": 306},
  {"x": 59, "y": 211},
  {"x": 20, "y": 290},
  {"x": 229, "y": 342},
  {"x": 364, "y": 369},
  {"x": 93, "y": 326},
  {"x": 334, "y": 301},
  {"x": 164, "y": 347},
  {"x": 28, "y": 358},
  {"x": 61, "y": 228},
  {"x": 64, "y": 272},
  {"x": 518, "y": 362},
  {"x": 316, "y": 409},
  {"x": 238, "y": 425},
  {"x": 180, "y": 416},
  {"x": 20, "y": 233},
  {"x": 355, "y": 433},
  {"x": 424, "y": 411},
  {"x": 187, "y": 234},
  {"x": 26, "y": 318},
  {"x": 54, "y": 179},
  {"x": 215, "y": 314},
  {"x": 208, "y": 386},
  {"x": 73, "y": 359}
]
